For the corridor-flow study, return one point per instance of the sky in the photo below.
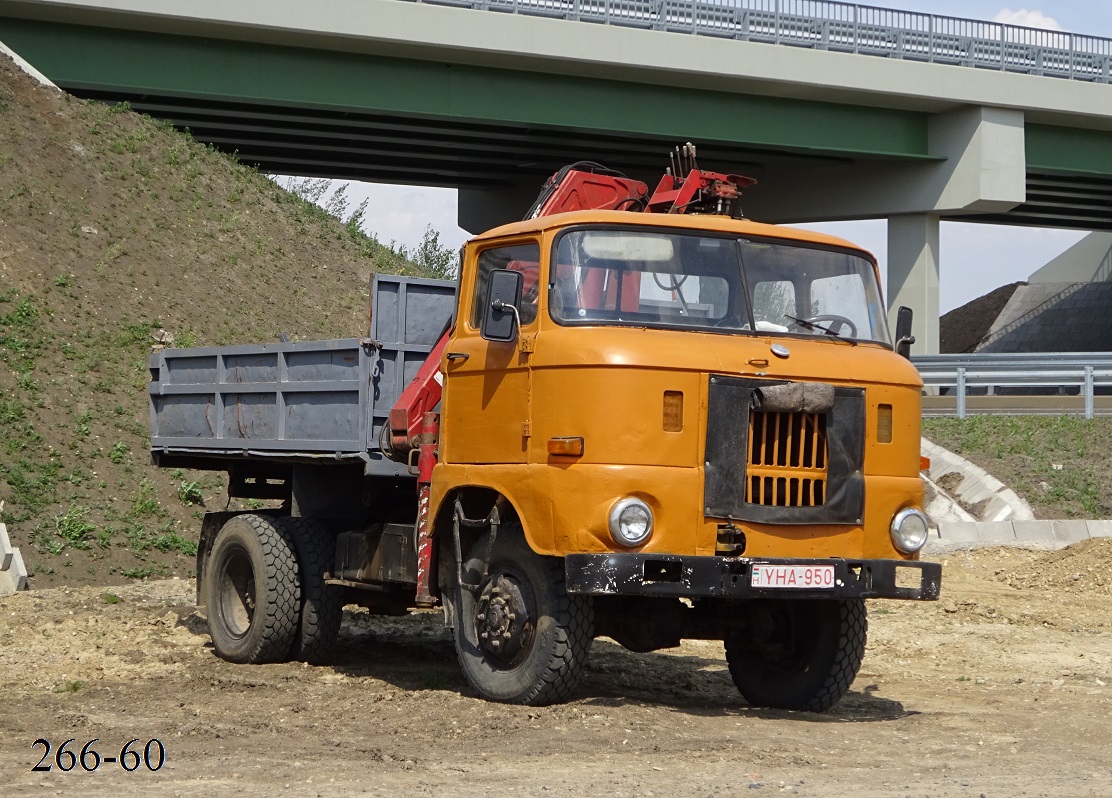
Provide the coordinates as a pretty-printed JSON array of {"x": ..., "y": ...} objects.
[{"x": 974, "y": 258}]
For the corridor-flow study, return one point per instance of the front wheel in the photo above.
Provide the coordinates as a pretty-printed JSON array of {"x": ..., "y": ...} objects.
[
  {"x": 522, "y": 639},
  {"x": 798, "y": 654}
]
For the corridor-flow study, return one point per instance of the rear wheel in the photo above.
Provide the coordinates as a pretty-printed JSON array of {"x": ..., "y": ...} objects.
[
  {"x": 251, "y": 591},
  {"x": 322, "y": 605},
  {"x": 522, "y": 639},
  {"x": 799, "y": 654}
]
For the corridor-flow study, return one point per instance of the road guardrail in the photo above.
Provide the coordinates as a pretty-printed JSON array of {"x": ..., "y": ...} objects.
[{"x": 1064, "y": 371}]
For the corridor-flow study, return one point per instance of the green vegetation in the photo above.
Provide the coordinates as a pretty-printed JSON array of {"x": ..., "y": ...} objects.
[
  {"x": 74, "y": 527},
  {"x": 189, "y": 492},
  {"x": 118, "y": 452},
  {"x": 145, "y": 572}
]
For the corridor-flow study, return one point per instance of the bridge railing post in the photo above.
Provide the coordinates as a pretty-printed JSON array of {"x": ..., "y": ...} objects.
[{"x": 856, "y": 28}]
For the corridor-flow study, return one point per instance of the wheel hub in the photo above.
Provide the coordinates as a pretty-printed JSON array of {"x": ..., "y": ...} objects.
[
  {"x": 237, "y": 595},
  {"x": 502, "y": 620}
]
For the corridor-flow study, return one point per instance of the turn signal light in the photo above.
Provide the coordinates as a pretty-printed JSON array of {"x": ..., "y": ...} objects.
[{"x": 568, "y": 447}]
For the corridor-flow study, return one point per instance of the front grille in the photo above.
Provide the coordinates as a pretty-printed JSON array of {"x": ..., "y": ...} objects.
[{"x": 787, "y": 462}]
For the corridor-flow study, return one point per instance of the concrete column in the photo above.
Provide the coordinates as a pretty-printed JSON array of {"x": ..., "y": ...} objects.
[{"x": 913, "y": 275}]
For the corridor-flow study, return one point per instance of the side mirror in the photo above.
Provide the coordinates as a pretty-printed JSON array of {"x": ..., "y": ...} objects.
[
  {"x": 500, "y": 316},
  {"x": 904, "y": 338}
]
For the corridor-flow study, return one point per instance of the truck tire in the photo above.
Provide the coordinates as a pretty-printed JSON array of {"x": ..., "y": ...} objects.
[
  {"x": 251, "y": 591},
  {"x": 322, "y": 605},
  {"x": 799, "y": 654},
  {"x": 522, "y": 639}
]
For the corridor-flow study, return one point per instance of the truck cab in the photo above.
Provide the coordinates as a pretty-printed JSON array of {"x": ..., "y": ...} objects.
[{"x": 702, "y": 420}]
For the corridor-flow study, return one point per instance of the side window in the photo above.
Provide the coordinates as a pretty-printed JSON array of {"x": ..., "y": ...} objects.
[{"x": 524, "y": 258}]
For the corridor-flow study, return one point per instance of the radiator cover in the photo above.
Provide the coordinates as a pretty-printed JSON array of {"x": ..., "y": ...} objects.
[{"x": 749, "y": 452}]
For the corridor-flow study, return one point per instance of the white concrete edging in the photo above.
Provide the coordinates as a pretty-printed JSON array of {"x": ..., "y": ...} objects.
[
  {"x": 26, "y": 67},
  {"x": 984, "y": 496},
  {"x": 13, "y": 573}
]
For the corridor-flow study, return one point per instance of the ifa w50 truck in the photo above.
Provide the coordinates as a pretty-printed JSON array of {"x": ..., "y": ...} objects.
[{"x": 634, "y": 415}]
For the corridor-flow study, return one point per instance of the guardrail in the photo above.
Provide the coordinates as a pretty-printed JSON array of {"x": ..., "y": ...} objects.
[
  {"x": 1061, "y": 370},
  {"x": 842, "y": 27}
]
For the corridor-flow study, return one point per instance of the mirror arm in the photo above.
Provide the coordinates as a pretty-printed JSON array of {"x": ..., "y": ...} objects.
[
  {"x": 903, "y": 346},
  {"x": 498, "y": 304}
]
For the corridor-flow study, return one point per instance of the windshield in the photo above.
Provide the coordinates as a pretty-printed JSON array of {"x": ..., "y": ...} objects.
[{"x": 698, "y": 281}]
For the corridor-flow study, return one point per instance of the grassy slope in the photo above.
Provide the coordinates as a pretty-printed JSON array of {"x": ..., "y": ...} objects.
[
  {"x": 113, "y": 228},
  {"x": 1060, "y": 465}
]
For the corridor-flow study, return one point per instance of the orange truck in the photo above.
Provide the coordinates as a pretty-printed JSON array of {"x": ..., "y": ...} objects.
[{"x": 636, "y": 415}]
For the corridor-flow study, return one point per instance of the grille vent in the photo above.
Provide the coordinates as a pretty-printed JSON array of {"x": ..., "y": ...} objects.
[{"x": 787, "y": 461}]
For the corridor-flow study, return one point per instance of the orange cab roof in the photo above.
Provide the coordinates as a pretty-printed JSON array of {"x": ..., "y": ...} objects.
[{"x": 708, "y": 222}]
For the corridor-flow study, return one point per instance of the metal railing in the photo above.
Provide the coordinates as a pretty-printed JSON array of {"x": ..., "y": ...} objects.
[
  {"x": 844, "y": 28},
  {"x": 1063, "y": 371}
]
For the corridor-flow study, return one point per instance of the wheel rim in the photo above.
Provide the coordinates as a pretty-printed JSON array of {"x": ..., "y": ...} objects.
[
  {"x": 237, "y": 593},
  {"x": 504, "y": 614},
  {"x": 783, "y": 641}
]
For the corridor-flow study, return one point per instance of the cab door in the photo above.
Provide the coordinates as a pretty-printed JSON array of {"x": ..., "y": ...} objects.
[{"x": 486, "y": 403}]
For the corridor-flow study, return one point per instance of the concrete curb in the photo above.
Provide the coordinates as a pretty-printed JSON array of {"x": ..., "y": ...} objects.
[
  {"x": 999, "y": 517},
  {"x": 1046, "y": 535},
  {"x": 984, "y": 496},
  {"x": 13, "y": 573}
]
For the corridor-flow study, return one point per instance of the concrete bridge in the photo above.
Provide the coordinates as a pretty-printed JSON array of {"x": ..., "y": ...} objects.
[{"x": 1015, "y": 131}]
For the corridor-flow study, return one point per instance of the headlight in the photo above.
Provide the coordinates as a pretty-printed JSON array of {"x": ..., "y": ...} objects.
[
  {"x": 909, "y": 530},
  {"x": 631, "y": 522}
]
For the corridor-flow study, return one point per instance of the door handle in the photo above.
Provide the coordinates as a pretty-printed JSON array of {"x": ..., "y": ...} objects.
[{"x": 454, "y": 356}]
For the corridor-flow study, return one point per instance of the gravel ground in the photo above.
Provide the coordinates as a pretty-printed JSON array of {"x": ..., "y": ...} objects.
[{"x": 1000, "y": 689}]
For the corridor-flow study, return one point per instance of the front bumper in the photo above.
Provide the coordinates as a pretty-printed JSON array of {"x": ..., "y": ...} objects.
[{"x": 729, "y": 577}]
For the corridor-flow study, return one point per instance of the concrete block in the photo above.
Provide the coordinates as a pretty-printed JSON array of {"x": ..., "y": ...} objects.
[
  {"x": 957, "y": 532},
  {"x": 996, "y": 509},
  {"x": 5, "y": 549},
  {"x": 995, "y": 532},
  {"x": 1034, "y": 531},
  {"x": 1070, "y": 531},
  {"x": 974, "y": 490},
  {"x": 15, "y": 577},
  {"x": 1099, "y": 529}
]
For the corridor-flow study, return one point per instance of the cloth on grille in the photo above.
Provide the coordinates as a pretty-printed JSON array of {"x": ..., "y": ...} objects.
[{"x": 794, "y": 397}]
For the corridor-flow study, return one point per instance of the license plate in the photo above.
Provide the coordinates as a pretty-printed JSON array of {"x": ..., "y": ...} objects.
[{"x": 793, "y": 577}]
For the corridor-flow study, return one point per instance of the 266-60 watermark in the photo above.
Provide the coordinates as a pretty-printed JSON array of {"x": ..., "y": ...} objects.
[{"x": 134, "y": 755}]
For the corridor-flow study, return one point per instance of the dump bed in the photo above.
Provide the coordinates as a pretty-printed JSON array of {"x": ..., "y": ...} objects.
[{"x": 314, "y": 399}]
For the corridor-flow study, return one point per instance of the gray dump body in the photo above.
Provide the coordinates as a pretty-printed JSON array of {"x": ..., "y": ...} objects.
[{"x": 309, "y": 400}]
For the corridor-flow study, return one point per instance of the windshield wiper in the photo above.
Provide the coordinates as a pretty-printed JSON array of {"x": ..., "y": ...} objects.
[{"x": 813, "y": 326}]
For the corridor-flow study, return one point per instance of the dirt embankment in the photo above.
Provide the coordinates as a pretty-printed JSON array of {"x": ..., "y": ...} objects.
[
  {"x": 115, "y": 232},
  {"x": 1001, "y": 689},
  {"x": 962, "y": 329}
]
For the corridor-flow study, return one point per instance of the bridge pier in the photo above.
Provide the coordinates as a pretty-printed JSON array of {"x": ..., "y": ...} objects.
[{"x": 913, "y": 275}]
